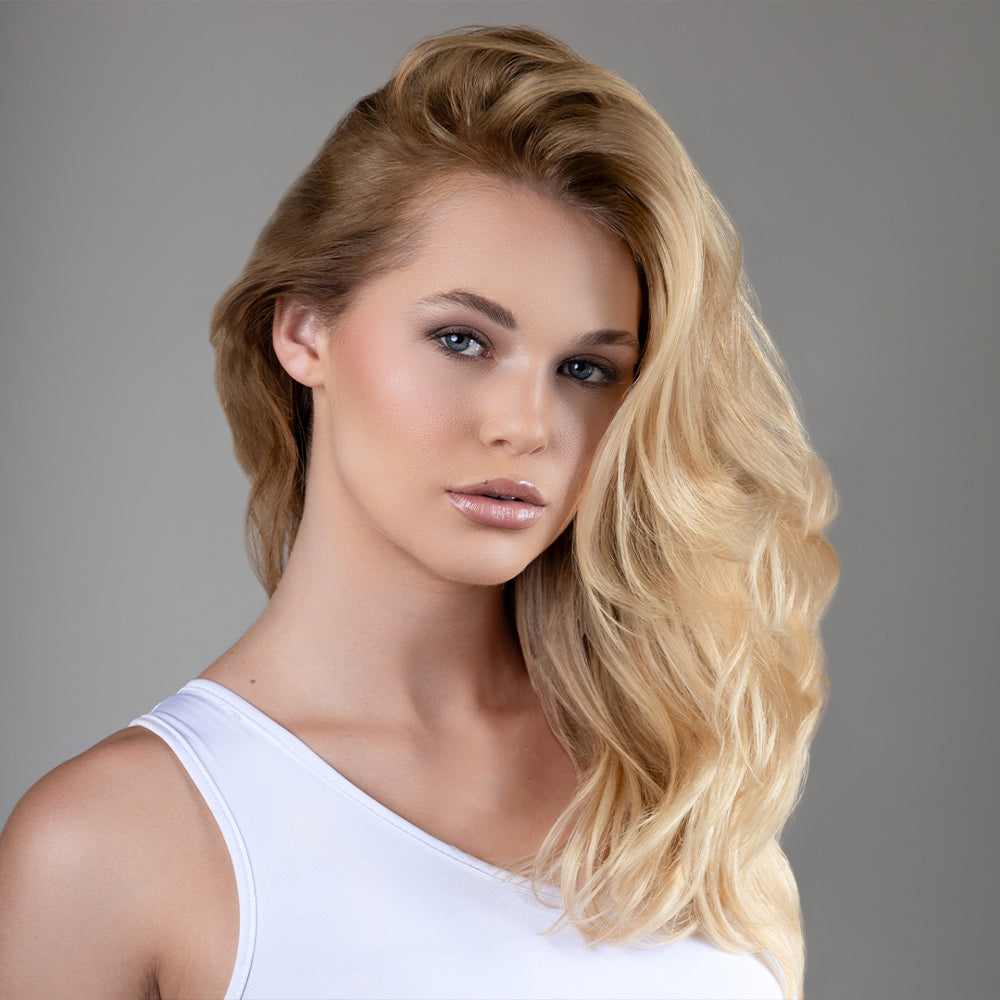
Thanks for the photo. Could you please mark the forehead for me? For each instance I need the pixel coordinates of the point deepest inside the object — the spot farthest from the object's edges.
(522, 248)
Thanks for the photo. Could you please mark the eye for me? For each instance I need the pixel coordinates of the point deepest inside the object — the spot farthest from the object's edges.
(460, 342)
(589, 371)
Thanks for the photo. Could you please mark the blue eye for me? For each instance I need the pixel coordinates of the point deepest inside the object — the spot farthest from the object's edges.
(461, 343)
(587, 371)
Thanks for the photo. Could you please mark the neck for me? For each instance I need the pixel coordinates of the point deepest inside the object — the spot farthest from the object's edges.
(360, 629)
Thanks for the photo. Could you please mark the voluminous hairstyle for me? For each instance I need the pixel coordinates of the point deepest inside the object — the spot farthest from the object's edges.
(672, 633)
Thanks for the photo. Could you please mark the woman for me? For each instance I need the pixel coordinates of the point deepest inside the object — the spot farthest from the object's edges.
(543, 538)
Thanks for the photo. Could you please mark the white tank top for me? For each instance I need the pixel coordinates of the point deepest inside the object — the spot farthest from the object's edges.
(340, 897)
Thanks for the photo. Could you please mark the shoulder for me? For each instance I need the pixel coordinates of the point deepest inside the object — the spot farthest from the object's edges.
(98, 800)
(92, 865)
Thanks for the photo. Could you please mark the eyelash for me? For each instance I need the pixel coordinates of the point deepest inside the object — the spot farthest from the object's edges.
(610, 373)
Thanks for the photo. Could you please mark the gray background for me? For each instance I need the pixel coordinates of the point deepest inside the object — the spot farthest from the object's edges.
(142, 147)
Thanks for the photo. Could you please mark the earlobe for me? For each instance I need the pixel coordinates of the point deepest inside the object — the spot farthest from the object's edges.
(295, 332)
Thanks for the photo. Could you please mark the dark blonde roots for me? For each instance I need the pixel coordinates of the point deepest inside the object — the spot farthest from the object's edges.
(673, 638)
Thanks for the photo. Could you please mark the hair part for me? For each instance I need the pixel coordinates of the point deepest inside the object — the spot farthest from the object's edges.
(672, 633)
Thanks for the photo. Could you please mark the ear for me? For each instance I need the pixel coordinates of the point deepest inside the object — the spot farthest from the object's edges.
(295, 333)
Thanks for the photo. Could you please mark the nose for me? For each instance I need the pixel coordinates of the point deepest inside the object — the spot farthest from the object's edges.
(517, 414)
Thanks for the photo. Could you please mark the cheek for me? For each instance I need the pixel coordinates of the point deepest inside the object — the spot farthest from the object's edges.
(419, 403)
(402, 408)
(585, 430)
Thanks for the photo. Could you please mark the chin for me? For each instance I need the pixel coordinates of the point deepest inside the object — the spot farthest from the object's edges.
(483, 575)
(482, 570)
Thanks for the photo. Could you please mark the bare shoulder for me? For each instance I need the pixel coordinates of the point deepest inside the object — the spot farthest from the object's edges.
(104, 864)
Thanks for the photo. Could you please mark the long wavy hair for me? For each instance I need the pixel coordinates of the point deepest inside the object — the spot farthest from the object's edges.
(672, 632)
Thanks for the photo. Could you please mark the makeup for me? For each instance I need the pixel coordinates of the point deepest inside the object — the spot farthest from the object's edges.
(499, 503)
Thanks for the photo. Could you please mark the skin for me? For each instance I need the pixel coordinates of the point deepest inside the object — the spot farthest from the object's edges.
(385, 648)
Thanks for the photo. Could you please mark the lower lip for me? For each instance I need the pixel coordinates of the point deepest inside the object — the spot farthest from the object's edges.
(495, 513)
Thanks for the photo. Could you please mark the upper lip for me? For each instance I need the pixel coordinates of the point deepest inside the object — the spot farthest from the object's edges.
(519, 489)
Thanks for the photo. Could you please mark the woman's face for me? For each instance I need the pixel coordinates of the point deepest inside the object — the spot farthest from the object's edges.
(459, 399)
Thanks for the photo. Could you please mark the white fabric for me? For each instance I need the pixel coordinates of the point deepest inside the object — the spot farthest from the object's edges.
(340, 897)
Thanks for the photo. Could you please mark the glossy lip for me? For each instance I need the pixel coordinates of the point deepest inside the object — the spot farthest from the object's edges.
(520, 489)
(499, 503)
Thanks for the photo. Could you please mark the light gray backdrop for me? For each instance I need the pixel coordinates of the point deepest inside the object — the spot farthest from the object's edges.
(143, 146)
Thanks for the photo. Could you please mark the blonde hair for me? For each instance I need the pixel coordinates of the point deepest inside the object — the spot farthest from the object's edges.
(671, 634)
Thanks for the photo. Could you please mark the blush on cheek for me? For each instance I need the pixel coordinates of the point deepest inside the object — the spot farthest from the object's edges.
(423, 405)
(367, 380)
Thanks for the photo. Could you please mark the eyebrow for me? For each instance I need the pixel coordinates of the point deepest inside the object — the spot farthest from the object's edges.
(502, 316)
(491, 310)
(611, 337)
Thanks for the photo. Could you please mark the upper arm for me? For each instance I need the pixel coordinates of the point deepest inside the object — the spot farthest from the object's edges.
(77, 873)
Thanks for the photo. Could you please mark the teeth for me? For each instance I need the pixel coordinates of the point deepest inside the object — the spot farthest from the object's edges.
(500, 496)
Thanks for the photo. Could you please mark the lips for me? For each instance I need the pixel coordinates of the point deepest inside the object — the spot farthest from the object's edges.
(499, 503)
